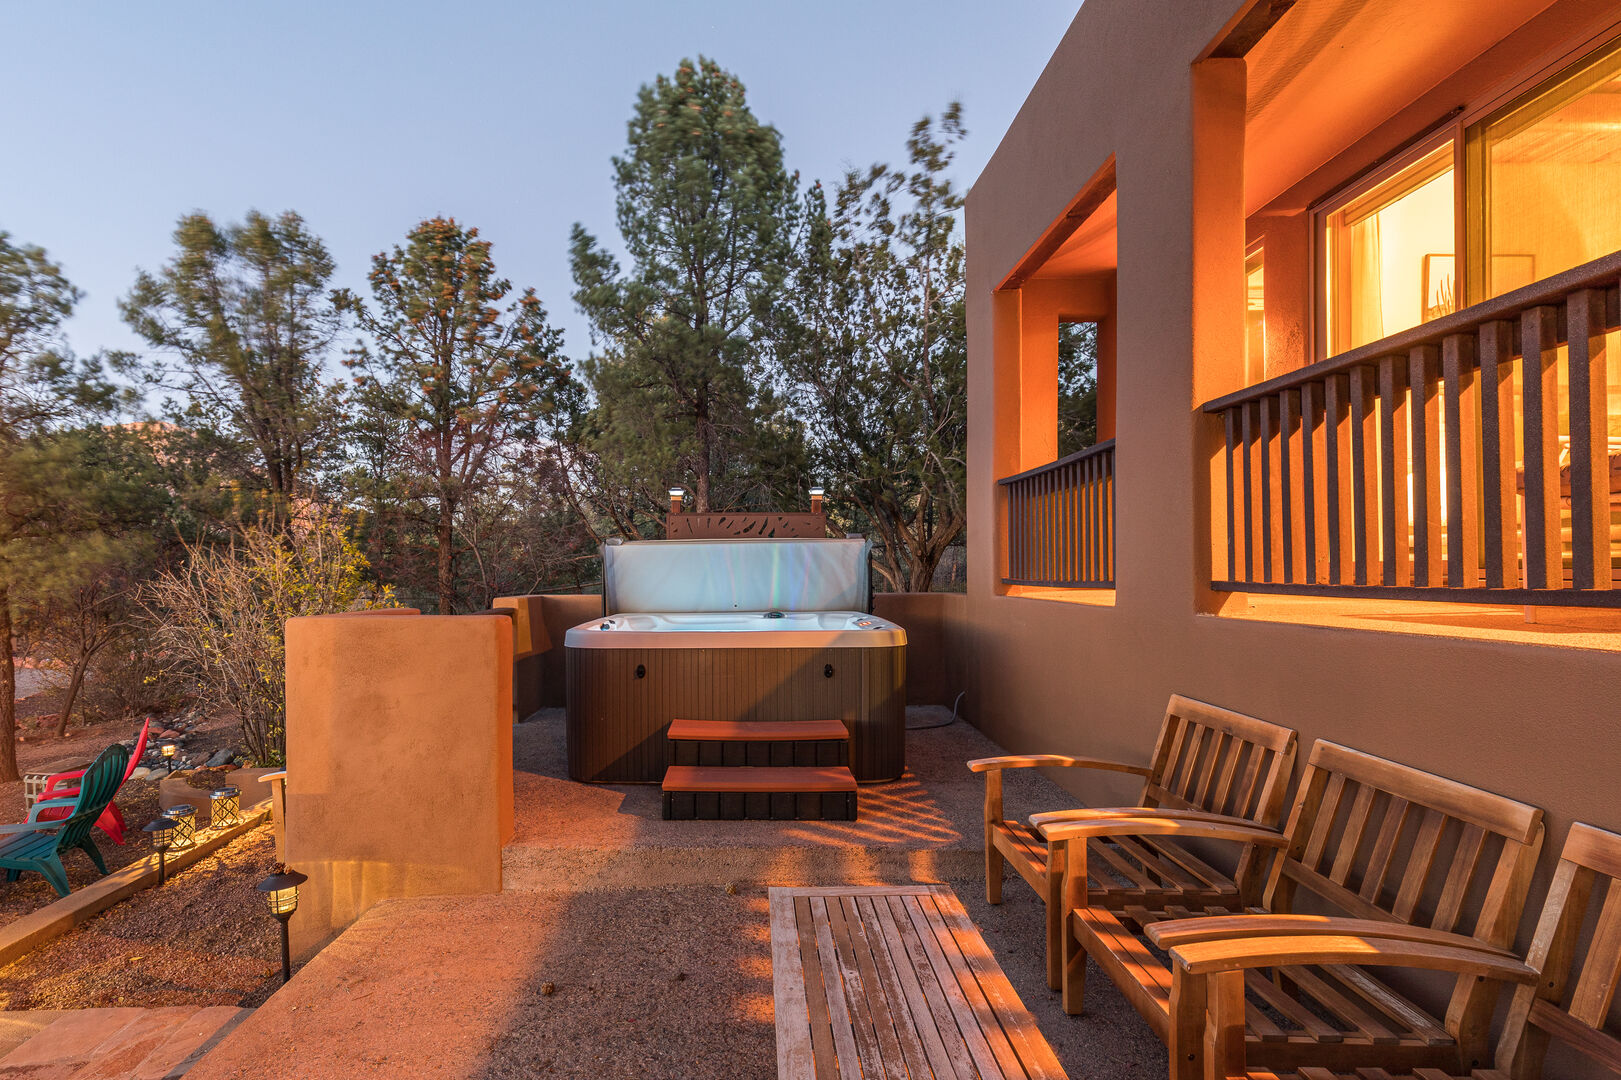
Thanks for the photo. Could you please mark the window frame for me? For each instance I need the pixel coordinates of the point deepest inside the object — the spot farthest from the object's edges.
(1415, 150)
(1515, 90)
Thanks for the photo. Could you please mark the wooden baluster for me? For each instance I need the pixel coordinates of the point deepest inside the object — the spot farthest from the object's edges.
(1083, 536)
(1095, 516)
(1012, 531)
(1073, 565)
(1316, 564)
(1589, 442)
(1229, 423)
(1108, 521)
(1364, 494)
(1288, 482)
(1338, 467)
(1066, 522)
(1393, 515)
(1499, 534)
(1247, 431)
(1263, 409)
(1428, 566)
(1463, 441)
(1539, 345)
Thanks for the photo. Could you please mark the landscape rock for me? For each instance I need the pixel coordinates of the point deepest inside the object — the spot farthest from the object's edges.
(141, 773)
(221, 757)
(157, 774)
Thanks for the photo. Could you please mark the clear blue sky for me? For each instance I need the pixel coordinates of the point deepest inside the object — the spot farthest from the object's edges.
(368, 117)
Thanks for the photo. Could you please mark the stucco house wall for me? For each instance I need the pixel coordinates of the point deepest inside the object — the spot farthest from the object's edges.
(1537, 722)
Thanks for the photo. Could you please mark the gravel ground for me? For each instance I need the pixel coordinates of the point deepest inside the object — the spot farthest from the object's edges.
(203, 939)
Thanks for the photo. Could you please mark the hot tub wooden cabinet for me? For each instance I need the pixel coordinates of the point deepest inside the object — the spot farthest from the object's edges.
(630, 675)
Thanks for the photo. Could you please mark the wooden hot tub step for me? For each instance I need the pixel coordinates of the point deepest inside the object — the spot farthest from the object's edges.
(759, 743)
(759, 792)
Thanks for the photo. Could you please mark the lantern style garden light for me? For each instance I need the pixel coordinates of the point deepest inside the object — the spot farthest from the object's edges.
(167, 750)
(281, 897)
(162, 830)
(224, 808)
(184, 817)
(675, 499)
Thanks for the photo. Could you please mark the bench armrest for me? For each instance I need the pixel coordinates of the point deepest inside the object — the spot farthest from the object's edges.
(1109, 813)
(1155, 824)
(1035, 761)
(1240, 954)
(1176, 933)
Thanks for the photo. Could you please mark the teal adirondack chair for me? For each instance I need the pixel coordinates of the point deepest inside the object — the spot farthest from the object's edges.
(39, 845)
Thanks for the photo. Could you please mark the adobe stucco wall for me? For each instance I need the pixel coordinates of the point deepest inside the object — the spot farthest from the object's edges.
(933, 624)
(1535, 722)
(399, 760)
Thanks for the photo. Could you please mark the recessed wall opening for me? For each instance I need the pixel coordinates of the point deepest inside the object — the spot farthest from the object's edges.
(1424, 425)
(1056, 353)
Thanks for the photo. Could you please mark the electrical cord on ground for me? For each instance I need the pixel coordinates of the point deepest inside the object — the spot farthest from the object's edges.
(941, 723)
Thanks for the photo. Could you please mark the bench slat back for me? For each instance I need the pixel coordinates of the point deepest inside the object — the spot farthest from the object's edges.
(1571, 1001)
(1382, 840)
(1213, 759)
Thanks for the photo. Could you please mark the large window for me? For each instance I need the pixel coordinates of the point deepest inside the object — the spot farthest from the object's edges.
(1541, 182)
(1545, 177)
(1389, 253)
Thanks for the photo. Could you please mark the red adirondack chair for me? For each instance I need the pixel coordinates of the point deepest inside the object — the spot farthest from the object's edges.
(62, 790)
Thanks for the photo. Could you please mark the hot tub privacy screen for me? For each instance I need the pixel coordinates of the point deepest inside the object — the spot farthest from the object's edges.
(734, 630)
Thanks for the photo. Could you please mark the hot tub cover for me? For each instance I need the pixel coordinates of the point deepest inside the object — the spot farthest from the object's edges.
(736, 575)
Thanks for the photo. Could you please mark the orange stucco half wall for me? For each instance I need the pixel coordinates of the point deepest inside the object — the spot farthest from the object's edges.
(399, 761)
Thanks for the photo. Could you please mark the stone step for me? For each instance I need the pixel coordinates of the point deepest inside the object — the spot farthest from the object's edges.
(120, 1044)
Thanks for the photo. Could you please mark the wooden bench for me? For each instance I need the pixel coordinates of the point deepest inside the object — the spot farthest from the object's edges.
(736, 792)
(1433, 860)
(1207, 760)
(1562, 995)
(894, 982)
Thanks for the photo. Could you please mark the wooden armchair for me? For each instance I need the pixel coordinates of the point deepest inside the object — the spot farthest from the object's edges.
(1208, 763)
(1432, 866)
(1560, 996)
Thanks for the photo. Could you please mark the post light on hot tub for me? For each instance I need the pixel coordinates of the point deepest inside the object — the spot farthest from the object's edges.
(676, 495)
(816, 500)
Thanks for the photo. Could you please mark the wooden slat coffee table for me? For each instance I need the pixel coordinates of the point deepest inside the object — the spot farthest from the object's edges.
(894, 982)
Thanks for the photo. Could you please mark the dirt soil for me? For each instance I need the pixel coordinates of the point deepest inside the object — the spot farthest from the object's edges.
(202, 939)
(137, 799)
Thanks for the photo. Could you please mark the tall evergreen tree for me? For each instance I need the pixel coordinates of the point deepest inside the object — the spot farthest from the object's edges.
(42, 389)
(465, 380)
(241, 323)
(705, 210)
(871, 337)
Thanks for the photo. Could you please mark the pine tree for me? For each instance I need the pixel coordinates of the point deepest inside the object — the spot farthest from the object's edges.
(241, 323)
(705, 212)
(466, 380)
(871, 336)
(43, 388)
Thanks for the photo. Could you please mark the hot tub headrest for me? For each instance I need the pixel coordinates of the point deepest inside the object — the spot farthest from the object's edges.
(736, 575)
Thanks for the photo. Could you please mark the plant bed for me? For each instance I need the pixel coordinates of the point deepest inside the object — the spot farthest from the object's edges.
(202, 939)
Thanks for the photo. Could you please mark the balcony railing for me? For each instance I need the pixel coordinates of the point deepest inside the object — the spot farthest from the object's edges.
(1060, 520)
(1431, 465)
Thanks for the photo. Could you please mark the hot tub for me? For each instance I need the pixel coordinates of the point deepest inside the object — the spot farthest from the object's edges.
(631, 672)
